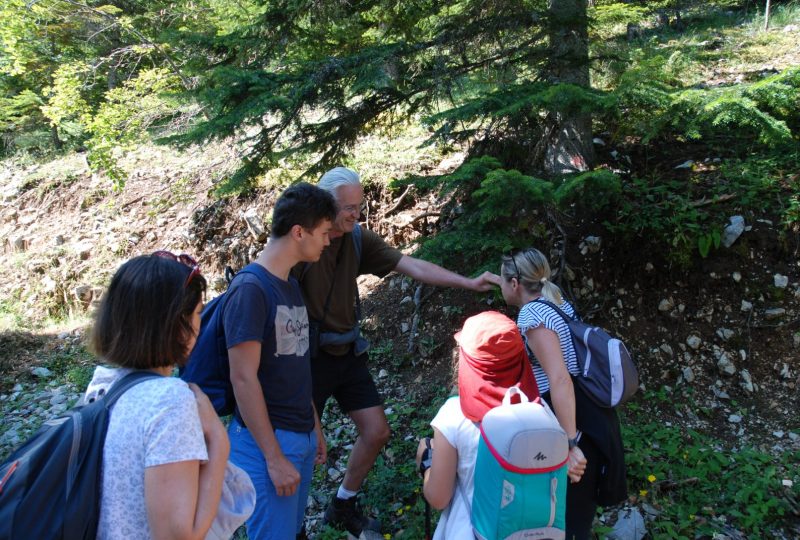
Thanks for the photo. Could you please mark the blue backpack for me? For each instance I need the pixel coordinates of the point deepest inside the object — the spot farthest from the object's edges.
(208, 365)
(50, 487)
(520, 480)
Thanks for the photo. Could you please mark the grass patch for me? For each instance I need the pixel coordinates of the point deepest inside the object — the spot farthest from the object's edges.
(699, 485)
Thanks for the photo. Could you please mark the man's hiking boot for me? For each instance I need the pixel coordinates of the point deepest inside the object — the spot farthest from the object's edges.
(346, 514)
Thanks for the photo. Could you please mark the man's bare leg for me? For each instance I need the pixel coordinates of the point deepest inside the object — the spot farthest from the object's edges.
(373, 434)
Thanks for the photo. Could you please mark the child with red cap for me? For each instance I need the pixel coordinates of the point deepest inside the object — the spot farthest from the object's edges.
(491, 358)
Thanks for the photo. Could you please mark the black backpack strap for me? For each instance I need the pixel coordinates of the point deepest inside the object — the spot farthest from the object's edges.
(125, 383)
(567, 318)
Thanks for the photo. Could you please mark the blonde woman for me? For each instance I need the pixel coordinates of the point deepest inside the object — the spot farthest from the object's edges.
(597, 470)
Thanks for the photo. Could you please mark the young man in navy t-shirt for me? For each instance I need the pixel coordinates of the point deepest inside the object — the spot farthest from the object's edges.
(275, 433)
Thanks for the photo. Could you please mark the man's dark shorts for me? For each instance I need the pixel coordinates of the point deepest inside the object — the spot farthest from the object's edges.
(346, 378)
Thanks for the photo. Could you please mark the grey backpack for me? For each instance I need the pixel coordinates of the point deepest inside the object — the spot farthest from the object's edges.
(607, 372)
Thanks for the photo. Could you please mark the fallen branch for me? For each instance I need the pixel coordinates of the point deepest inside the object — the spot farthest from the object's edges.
(705, 202)
(423, 216)
(415, 320)
(667, 485)
(399, 201)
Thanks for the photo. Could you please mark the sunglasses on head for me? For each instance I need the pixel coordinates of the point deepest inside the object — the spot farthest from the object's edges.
(184, 259)
(511, 255)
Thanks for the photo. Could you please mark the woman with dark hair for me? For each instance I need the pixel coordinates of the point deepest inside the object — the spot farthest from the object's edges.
(594, 433)
(165, 450)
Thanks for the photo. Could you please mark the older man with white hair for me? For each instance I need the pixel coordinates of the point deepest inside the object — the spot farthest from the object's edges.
(339, 365)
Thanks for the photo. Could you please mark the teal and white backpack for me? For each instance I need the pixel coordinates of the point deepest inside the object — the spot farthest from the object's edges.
(520, 472)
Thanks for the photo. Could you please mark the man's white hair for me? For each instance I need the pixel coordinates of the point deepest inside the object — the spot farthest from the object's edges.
(337, 177)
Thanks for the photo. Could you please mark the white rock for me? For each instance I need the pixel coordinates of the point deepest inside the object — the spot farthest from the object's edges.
(629, 526)
(732, 231)
(781, 281)
(778, 434)
(796, 339)
(649, 267)
(694, 342)
(404, 327)
(666, 305)
(254, 222)
(786, 372)
(743, 354)
(688, 374)
(382, 374)
(746, 306)
(686, 164)
(598, 141)
(791, 28)
(747, 381)
(725, 365)
(774, 313)
(734, 419)
(41, 372)
(787, 483)
(794, 436)
(725, 333)
(667, 349)
(737, 277)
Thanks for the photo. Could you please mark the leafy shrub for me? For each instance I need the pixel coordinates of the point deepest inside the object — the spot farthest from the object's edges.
(490, 208)
(126, 115)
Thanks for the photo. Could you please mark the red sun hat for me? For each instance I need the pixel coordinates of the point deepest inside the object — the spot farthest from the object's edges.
(492, 358)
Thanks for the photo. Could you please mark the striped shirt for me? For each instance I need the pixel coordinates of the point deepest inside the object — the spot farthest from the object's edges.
(532, 315)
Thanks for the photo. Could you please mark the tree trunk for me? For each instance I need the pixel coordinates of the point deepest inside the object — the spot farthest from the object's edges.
(766, 16)
(569, 147)
(57, 142)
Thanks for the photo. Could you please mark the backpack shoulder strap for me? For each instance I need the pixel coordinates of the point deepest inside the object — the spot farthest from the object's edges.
(258, 271)
(125, 383)
(567, 318)
(357, 233)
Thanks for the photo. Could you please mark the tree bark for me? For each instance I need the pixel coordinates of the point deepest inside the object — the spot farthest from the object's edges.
(766, 16)
(569, 148)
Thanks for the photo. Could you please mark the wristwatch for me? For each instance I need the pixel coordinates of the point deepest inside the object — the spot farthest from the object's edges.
(427, 456)
(573, 442)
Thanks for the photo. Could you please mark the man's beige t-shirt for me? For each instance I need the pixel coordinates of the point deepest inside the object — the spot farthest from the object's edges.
(377, 257)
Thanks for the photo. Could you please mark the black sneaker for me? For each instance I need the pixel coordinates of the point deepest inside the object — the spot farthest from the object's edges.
(346, 514)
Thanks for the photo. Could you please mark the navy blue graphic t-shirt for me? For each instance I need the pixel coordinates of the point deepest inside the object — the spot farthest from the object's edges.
(279, 322)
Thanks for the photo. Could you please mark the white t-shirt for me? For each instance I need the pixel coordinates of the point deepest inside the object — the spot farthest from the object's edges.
(463, 435)
(153, 423)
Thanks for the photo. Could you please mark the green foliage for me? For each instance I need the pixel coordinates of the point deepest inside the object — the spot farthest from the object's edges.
(490, 206)
(126, 115)
(698, 483)
(19, 115)
(652, 104)
(593, 190)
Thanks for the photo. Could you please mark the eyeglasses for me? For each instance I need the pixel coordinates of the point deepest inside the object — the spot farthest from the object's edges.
(511, 254)
(184, 259)
(354, 208)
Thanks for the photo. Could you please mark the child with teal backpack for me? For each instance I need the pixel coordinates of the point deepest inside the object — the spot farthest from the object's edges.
(496, 468)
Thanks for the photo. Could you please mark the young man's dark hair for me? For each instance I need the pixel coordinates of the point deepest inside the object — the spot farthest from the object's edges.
(142, 323)
(302, 204)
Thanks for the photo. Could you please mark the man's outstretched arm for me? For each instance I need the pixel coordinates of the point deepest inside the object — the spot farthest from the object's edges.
(433, 274)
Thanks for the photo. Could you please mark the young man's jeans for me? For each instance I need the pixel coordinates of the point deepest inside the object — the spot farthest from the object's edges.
(274, 518)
